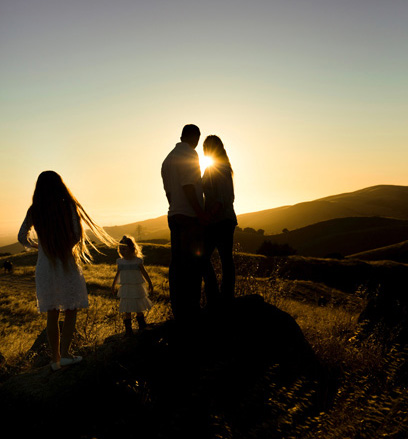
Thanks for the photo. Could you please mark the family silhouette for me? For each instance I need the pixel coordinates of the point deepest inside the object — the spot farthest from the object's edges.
(201, 218)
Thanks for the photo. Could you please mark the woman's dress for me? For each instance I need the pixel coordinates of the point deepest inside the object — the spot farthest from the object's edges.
(57, 286)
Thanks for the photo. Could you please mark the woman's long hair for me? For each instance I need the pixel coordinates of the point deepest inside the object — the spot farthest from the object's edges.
(54, 212)
(214, 147)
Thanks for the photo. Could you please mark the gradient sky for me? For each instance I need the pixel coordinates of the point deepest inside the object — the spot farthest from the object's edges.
(309, 96)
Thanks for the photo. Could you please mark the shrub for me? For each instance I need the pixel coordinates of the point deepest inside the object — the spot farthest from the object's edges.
(269, 248)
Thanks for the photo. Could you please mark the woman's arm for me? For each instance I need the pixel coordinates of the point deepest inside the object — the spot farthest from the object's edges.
(24, 233)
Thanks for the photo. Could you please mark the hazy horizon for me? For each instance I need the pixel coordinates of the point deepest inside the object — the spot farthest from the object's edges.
(309, 98)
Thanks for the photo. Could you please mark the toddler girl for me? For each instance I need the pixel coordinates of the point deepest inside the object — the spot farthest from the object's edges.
(131, 276)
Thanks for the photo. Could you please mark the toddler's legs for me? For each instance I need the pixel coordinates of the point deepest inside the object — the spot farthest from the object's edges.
(128, 324)
(141, 320)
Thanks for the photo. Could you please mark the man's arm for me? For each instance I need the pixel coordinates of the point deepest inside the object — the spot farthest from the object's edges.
(190, 193)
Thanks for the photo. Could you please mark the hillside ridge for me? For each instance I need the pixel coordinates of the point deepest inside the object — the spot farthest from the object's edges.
(389, 201)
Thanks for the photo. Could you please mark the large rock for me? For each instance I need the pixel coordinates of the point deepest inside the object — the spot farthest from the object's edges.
(223, 373)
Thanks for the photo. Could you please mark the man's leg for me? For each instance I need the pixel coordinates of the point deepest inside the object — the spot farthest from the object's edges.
(175, 263)
(185, 267)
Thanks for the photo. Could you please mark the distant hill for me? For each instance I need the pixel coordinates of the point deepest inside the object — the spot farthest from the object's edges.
(386, 201)
(395, 252)
(380, 201)
(345, 236)
(12, 248)
(7, 238)
(156, 228)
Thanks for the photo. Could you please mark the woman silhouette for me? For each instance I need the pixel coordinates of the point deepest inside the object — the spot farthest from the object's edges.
(219, 197)
(57, 218)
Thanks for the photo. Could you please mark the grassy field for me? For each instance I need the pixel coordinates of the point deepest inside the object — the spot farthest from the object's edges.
(369, 401)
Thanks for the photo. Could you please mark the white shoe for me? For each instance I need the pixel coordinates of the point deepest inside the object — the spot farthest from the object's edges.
(69, 361)
(56, 366)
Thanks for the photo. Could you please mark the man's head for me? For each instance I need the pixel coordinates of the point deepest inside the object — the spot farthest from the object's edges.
(191, 135)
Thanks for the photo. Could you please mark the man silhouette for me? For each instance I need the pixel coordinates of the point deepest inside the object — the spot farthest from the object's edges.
(181, 176)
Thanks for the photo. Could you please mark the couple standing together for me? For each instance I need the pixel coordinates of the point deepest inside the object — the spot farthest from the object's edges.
(201, 218)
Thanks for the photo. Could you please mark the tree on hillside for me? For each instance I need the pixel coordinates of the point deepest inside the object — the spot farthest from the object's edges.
(249, 230)
(269, 248)
(139, 232)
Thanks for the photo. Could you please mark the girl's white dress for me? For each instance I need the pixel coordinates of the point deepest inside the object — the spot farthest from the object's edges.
(57, 287)
(132, 290)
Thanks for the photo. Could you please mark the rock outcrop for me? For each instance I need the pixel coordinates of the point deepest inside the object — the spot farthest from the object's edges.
(224, 373)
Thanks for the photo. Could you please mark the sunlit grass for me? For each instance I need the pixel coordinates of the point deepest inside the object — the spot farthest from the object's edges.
(368, 401)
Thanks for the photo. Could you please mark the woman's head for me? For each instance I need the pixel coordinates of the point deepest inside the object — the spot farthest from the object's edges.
(128, 247)
(56, 215)
(214, 148)
(49, 188)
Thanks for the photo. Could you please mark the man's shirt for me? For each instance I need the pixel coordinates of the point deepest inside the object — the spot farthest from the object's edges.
(181, 168)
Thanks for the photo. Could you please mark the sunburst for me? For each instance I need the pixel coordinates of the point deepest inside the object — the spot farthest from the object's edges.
(205, 162)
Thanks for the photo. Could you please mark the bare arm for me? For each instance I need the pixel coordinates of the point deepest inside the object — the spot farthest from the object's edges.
(24, 233)
(115, 281)
(145, 274)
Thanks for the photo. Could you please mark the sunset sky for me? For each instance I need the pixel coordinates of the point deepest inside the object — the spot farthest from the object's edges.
(309, 96)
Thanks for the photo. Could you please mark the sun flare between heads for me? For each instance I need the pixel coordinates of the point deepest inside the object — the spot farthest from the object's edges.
(205, 162)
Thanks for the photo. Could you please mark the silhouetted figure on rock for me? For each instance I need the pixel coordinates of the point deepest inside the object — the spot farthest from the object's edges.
(181, 176)
(219, 234)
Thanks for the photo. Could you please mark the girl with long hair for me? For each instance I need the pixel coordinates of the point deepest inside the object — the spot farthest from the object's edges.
(57, 217)
(219, 198)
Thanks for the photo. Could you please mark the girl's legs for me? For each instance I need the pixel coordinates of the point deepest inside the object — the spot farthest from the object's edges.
(53, 334)
(128, 323)
(68, 332)
(141, 320)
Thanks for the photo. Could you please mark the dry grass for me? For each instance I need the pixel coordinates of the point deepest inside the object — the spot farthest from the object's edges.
(369, 402)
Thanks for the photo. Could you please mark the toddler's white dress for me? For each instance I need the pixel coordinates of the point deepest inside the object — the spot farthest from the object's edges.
(132, 290)
(57, 287)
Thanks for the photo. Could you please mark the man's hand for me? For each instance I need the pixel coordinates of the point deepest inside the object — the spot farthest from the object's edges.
(204, 218)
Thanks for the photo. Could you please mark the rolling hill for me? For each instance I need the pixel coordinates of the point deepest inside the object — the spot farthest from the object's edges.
(395, 252)
(345, 236)
(388, 201)
(381, 201)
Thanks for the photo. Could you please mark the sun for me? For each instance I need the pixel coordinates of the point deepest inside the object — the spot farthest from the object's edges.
(205, 162)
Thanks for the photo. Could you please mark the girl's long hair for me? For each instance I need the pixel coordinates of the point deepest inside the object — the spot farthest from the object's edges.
(214, 147)
(53, 212)
(130, 242)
